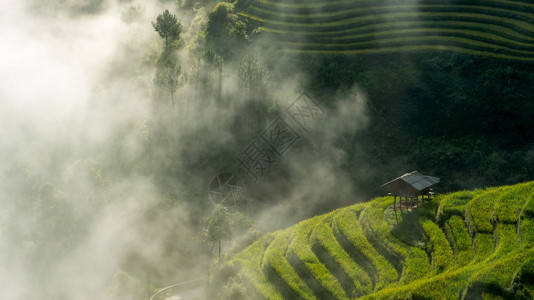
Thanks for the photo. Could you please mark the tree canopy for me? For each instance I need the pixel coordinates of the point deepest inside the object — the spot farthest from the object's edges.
(168, 27)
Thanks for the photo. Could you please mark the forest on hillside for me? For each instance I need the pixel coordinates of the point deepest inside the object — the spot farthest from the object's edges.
(118, 116)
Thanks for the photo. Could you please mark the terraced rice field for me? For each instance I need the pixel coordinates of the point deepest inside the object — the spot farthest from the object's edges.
(473, 244)
(496, 28)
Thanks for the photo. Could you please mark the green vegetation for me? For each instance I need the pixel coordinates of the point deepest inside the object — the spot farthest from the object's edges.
(278, 270)
(479, 211)
(509, 206)
(250, 259)
(349, 233)
(220, 225)
(415, 260)
(168, 27)
(348, 271)
(484, 246)
(440, 86)
(454, 204)
(353, 252)
(308, 266)
(488, 28)
(460, 239)
(442, 256)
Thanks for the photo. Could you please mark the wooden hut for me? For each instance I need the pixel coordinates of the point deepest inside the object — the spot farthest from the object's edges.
(410, 186)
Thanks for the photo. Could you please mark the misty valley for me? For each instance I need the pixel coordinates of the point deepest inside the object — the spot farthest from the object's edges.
(267, 149)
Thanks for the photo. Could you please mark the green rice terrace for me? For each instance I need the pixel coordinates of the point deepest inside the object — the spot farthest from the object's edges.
(464, 245)
(495, 28)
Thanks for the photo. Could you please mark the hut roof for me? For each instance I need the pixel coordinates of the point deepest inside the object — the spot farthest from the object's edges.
(417, 180)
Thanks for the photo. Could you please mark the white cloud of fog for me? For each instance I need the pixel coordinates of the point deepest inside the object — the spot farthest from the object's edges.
(59, 107)
(52, 72)
(49, 68)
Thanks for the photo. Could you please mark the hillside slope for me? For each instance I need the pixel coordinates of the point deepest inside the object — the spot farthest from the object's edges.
(469, 244)
(495, 28)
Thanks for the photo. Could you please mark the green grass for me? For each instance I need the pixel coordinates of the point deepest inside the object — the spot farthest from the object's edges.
(479, 211)
(506, 239)
(495, 28)
(325, 242)
(527, 233)
(278, 269)
(454, 204)
(361, 251)
(528, 209)
(408, 15)
(409, 48)
(463, 245)
(346, 227)
(250, 260)
(323, 5)
(442, 255)
(358, 32)
(308, 265)
(350, 10)
(415, 260)
(526, 276)
(447, 285)
(484, 246)
(499, 273)
(510, 204)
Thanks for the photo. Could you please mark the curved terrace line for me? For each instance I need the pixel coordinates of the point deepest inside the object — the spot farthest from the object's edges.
(416, 40)
(386, 9)
(323, 4)
(408, 16)
(499, 30)
(491, 42)
(407, 48)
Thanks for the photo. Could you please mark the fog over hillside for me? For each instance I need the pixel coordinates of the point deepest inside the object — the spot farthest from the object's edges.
(116, 130)
(60, 114)
(101, 191)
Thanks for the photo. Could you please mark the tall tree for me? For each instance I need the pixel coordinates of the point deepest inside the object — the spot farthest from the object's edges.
(221, 225)
(168, 27)
(252, 73)
(225, 32)
(218, 227)
(133, 14)
(167, 75)
(253, 76)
